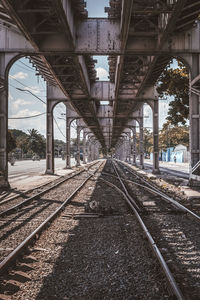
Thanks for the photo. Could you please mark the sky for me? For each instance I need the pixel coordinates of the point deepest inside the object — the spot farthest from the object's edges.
(30, 100)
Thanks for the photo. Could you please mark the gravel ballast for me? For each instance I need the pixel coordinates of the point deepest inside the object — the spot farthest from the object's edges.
(93, 254)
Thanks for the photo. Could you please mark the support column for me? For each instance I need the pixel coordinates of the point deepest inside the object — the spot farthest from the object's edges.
(90, 151)
(78, 146)
(84, 146)
(141, 144)
(194, 114)
(156, 137)
(194, 103)
(194, 106)
(129, 147)
(49, 140)
(68, 148)
(93, 150)
(5, 59)
(96, 150)
(134, 144)
(4, 136)
(124, 150)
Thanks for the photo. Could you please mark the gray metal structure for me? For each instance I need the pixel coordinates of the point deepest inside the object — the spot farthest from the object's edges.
(139, 37)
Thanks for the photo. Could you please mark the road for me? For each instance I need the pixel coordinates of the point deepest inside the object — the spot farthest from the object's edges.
(29, 167)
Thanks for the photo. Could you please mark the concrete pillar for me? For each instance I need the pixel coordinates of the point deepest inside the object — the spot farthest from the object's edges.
(141, 146)
(129, 147)
(156, 137)
(49, 139)
(4, 135)
(134, 144)
(84, 146)
(96, 150)
(89, 151)
(124, 150)
(5, 60)
(195, 114)
(119, 150)
(78, 162)
(68, 147)
(93, 150)
(194, 106)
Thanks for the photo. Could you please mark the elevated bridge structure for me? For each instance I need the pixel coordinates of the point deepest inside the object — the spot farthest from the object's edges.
(139, 37)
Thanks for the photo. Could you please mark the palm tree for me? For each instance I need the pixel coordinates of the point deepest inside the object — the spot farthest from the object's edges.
(36, 142)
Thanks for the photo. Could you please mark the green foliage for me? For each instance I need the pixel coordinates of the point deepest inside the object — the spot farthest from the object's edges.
(11, 141)
(148, 141)
(171, 136)
(22, 143)
(16, 133)
(59, 143)
(31, 143)
(36, 142)
(175, 82)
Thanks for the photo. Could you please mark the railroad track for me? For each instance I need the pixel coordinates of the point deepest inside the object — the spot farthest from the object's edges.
(110, 229)
(166, 224)
(21, 223)
(16, 201)
(131, 177)
(93, 250)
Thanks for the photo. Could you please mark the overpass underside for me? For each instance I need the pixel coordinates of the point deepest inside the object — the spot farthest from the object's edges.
(139, 38)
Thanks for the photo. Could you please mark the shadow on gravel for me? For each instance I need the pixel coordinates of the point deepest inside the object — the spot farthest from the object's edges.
(102, 257)
(26, 219)
(6, 193)
(175, 237)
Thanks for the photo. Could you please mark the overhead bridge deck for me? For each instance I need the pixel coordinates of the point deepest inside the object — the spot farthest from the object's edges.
(139, 38)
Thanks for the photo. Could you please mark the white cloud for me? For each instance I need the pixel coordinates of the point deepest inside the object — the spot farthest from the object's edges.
(102, 74)
(19, 75)
(20, 102)
(38, 123)
(25, 113)
(10, 97)
(33, 89)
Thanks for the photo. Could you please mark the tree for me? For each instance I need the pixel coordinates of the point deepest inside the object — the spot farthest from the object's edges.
(22, 143)
(175, 82)
(11, 141)
(171, 136)
(17, 132)
(59, 147)
(148, 141)
(36, 142)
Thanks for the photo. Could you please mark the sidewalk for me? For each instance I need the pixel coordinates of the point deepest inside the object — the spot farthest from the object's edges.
(32, 181)
(191, 193)
(28, 182)
(181, 167)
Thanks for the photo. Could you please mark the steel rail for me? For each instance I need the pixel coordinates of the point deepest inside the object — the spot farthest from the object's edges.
(16, 252)
(37, 187)
(151, 190)
(124, 188)
(17, 206)
(26, 192)
(170, 278)
(165, 197)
